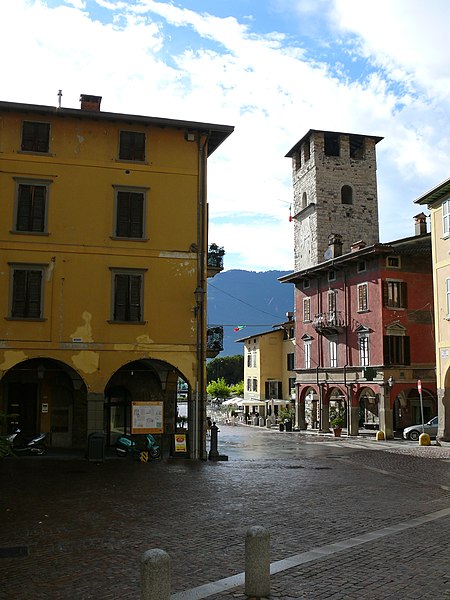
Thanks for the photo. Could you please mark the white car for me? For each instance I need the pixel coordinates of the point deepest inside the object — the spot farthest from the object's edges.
(413, 431)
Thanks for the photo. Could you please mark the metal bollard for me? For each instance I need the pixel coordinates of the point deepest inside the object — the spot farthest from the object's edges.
(155, 575)
(257, 562)
(213, 452)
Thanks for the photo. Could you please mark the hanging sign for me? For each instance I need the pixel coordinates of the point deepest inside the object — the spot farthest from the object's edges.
(146, 417)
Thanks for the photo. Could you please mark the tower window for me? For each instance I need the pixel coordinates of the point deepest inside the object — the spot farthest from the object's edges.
(304, 200)
(331, 144)
(346, 194)
(307, 150)
(356, 146)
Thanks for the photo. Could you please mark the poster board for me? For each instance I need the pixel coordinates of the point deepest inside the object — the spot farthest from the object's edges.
(147, 417)
(180, 442)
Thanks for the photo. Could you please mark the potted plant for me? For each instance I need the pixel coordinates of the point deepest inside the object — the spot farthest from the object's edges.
(287, 417)
(337, 422)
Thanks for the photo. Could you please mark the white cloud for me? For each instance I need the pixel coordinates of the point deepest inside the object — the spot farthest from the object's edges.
(157, 58)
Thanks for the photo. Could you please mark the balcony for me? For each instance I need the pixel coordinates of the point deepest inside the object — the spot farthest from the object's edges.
(329, 323)
(214, 342)
(215, 260)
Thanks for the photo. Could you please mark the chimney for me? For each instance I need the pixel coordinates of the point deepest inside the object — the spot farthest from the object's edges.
(334, 246)
(420, 224)
(91, 103)
(357, 245)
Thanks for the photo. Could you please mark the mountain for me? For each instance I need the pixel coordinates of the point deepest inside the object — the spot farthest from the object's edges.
(254, 300)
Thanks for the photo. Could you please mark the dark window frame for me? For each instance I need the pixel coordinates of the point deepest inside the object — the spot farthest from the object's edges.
(127, 304)
(26, 291)
(35, 137)
(130, 209)
(31, 205)
(395, 294)
(132, 145)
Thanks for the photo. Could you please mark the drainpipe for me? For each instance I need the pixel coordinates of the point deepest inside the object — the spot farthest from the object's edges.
(200, 412)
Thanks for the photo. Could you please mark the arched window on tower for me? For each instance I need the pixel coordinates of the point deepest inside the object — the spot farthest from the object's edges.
(346, 194)
(304, 200)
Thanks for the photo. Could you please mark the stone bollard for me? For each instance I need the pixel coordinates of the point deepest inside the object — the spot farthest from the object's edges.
(155, 575)
(257, 562)
(424, 439)
(379, 436)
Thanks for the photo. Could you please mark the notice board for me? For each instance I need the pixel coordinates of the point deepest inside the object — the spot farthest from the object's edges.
(147, 417)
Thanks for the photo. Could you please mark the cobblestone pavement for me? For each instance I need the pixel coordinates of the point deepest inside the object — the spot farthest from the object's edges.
(83, 526)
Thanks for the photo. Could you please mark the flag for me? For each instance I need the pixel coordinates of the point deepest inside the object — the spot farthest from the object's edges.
(290, 214)
(239, 327)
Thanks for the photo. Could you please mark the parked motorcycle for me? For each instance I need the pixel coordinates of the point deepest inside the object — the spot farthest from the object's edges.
(24, 444)
(126, 445)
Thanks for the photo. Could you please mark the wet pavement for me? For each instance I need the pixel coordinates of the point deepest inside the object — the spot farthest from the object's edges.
(378, 512)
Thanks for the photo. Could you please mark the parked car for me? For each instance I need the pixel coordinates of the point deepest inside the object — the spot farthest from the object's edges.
(413, 431)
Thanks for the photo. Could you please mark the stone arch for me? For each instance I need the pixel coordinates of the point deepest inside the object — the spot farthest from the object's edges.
(368, 402)
(46, 395)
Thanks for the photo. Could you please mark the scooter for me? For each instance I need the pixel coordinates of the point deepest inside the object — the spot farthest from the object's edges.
(21, 444)
(126, 445)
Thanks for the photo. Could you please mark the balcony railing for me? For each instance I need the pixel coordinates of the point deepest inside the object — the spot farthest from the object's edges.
(214, 341)
(215, 259)
(329, 322)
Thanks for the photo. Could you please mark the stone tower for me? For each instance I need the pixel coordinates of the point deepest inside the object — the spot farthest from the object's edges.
(335, 193)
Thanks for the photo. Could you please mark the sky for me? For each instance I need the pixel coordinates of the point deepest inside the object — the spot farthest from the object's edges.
(271, 68)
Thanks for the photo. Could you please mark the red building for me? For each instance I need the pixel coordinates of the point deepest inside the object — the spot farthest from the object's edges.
(364, 335)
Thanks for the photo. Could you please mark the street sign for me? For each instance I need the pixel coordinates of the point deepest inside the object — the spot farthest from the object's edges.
(419, 385)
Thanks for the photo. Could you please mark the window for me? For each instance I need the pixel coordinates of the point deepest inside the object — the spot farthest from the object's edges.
(395, 294)
(331, 275)
(363, 300)
(249, 359)
(35, 136)
(332, 303)
(306, 310)
(254, 385)
(446, 217)
(361, 266)
(291, 361)
(26, 292)
(31, 206)
(393, 262)
(307, 353)
(306, 284)
(132, 145)
(297, 160)
(127, 295)
(332, 347)
(396, 346)
(356, 146)
(130, 210)
(254, 358)
(307, 150)
(292, 386)
(363, 345)
(249, 385)
(331, 144)
(304, 200)
(447, 290)
(346, 195)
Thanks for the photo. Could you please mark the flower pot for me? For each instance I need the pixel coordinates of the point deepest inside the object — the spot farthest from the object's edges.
(281, 425)
(337, 431)
(288, 425)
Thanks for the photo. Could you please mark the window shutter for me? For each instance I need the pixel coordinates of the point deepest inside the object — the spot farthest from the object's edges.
(404, 292)
(38, 214)
(386, 352)
(34, 294)
(24, 205)
(267, 390)
(136, 215)
(135, 298)
(406, 350)
(123, 222)
(280, 389)
(120, 297)
(19, 293)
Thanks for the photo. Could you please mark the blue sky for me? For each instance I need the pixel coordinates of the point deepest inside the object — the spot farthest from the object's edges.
(272, 68)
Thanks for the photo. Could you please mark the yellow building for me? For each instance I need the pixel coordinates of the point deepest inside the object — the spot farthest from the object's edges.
(269, 377)
(104, 260)
(438, 201)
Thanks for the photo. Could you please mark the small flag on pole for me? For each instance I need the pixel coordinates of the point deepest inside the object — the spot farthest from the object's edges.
(239, 327)
(290, 214)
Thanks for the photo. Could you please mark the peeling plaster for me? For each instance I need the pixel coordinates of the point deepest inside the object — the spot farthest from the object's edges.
(86, 361)
(143, 340)
(12, 358)
(84, 332)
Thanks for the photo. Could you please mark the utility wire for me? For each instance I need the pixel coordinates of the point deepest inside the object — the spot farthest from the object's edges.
(243, 302)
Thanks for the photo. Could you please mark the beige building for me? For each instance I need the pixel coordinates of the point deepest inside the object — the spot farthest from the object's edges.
(438, 201)
(269, 362)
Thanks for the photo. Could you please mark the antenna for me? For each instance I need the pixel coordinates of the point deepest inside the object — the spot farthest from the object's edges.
(59, 98)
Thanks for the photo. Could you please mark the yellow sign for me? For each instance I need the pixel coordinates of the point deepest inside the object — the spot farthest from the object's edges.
(180, 442)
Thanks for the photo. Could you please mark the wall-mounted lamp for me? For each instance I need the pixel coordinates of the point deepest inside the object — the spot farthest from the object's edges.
(390, 382)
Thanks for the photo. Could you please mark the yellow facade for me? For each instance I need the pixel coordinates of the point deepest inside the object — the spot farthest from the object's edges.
(77, 358)
(438, 201)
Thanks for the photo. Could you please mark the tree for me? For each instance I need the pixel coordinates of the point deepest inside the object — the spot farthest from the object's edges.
(230, 368)
(237, 389)
(219, 389)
